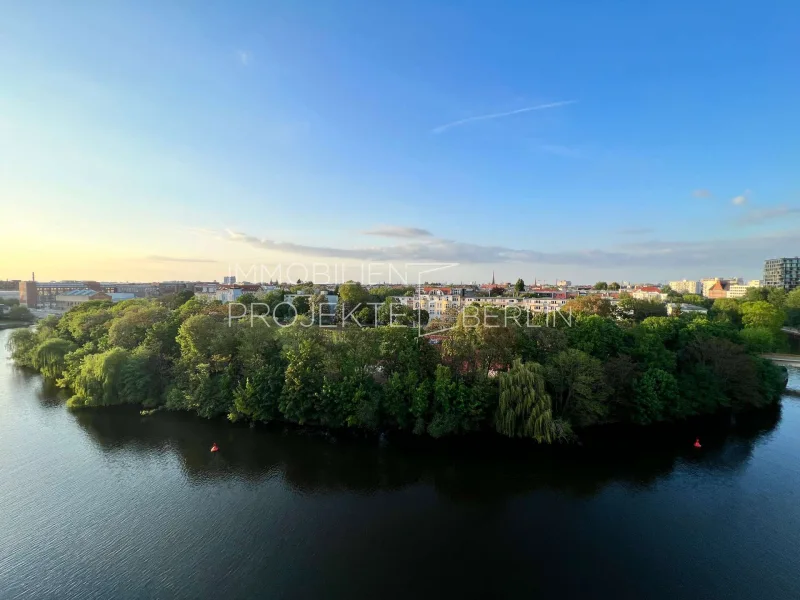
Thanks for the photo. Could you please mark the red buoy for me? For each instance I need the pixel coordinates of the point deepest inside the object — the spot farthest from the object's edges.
(697, 443)
(215, 448)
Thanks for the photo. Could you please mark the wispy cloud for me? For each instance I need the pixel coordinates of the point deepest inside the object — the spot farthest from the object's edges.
(244, 57)
(500, 115)
(713, 254)
(635, 231)
(158, 258)
(754, 217)
(558, 150)
(702, 193)
(398, 232)
(741, 199)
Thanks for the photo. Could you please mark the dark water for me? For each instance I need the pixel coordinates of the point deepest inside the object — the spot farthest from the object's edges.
(108, 504)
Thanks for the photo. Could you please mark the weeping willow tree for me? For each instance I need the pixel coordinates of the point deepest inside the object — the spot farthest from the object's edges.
(525, 409)
(49, 357)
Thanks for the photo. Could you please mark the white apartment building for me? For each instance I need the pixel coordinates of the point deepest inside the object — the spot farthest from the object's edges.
(738, 290)
(448, 306)
(686, 287)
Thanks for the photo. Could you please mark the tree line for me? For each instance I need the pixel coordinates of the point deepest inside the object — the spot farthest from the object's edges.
(542, 383)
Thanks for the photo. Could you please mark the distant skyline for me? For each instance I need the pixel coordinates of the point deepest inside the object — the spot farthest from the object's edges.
(146, 141)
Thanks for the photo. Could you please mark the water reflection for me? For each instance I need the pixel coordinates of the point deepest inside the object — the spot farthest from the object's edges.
(476, 470)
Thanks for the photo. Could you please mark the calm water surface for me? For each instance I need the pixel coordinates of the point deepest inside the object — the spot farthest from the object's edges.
(108, 504)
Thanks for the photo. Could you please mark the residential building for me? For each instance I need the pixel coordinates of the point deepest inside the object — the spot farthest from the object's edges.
(206, 291)
(738, 290)
(229, 280)
(648, 292)
(673, 308)
(782, 272)
(564, 283)
(686, 287)
(447, 307)
(231, 293)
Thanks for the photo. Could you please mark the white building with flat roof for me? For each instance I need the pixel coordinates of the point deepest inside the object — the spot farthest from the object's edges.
(738, 290)
(686, 287)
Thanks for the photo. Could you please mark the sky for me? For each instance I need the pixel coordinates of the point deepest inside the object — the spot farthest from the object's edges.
(444, 141)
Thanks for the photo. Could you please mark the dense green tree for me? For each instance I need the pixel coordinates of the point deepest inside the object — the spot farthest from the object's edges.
(639, 309)
(614, 286)
(759, 294)
(654, 392)
(589, 305)
(760, 340)
(601, 285)
(792, 307)
(762, 314)
(578, 387)
(596, 335)
(18, 313)
(727, 309)
(519, 286)
(303, 382)
(301, 304)
(352, 296)
(777, 297)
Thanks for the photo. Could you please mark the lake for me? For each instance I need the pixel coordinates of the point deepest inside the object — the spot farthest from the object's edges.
(104, 503)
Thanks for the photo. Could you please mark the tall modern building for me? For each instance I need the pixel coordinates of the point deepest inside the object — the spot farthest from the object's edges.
(229, 280)
(782, 272)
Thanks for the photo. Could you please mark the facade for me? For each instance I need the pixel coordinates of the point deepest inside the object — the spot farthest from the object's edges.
(120, 296)
(564, 283)
(782, 272)
(206, 291)
(447, 307)
(738, 290)
(649, 292)
(28, 294)
(685, 309)
(229, 280)
(232, 293)
(73, 298)
(686, 287)
(718, 290)
(139, 290)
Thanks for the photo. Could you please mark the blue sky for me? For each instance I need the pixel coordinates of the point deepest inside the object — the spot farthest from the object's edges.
(151, 140)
